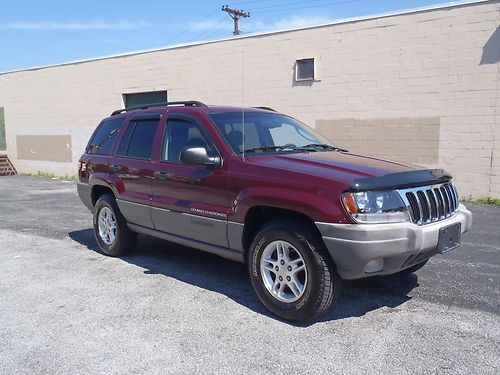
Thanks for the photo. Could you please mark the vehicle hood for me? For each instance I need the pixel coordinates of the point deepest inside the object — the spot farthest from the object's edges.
(341, 167)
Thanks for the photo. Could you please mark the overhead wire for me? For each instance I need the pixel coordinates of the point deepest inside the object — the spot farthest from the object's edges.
(192, 26)
(215, 28)
(271, 9)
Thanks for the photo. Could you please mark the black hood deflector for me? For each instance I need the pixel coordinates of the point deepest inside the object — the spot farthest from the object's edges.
(401, 180)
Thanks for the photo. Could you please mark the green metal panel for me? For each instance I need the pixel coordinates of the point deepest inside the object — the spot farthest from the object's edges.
(143, 98)
(3, 143)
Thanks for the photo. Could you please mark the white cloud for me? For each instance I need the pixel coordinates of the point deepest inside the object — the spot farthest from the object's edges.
(74, 25)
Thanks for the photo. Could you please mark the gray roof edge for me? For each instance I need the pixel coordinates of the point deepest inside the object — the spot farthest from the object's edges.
(402, 12)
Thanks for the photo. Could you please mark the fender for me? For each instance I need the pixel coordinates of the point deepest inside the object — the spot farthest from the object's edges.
(102, 179)
(315, 205)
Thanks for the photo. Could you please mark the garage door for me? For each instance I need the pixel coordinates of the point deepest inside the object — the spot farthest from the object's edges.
(143, 98)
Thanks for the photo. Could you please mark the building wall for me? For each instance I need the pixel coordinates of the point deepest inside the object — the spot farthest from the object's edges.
(421, 87)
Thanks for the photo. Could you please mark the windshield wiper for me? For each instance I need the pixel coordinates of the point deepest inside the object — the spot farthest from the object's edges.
(323, 146)
(310, 147)
(268, 148)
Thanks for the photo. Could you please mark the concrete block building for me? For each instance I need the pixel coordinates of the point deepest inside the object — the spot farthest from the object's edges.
(419, 86)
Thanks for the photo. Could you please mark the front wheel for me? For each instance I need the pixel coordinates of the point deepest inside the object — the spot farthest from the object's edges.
(110, 228)
(291, 271)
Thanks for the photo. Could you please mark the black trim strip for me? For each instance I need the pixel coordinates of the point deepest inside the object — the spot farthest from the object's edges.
(401, 180)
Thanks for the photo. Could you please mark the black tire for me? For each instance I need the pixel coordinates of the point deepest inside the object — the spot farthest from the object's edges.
(125, 239)
(412, 269)
(323, 282)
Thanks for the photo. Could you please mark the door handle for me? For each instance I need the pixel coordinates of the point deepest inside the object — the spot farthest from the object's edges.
(162, 175)
(115, 168)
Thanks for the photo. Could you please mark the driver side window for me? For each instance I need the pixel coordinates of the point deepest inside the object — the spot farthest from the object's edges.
(180, 134)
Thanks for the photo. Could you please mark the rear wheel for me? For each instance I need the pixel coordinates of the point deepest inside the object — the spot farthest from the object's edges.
(412, 269)
(291, 271)
(110, 228)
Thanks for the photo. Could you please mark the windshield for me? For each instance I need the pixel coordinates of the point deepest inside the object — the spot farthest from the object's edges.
(266, 132)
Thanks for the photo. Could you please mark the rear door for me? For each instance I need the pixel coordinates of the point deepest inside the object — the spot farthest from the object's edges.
(189, 201)
(132, 168)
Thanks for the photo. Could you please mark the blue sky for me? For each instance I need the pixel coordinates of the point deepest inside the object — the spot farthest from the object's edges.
(35, 33)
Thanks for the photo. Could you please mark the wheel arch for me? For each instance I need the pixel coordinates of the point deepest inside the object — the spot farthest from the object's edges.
(98, 190)
(258, 216)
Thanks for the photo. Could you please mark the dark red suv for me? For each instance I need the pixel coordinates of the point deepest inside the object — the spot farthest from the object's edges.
(257, 186)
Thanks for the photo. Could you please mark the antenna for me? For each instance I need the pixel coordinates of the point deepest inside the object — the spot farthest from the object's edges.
(243, 100)
(235, 14)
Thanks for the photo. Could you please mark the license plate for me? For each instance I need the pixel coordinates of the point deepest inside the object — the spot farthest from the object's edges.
(449, 238)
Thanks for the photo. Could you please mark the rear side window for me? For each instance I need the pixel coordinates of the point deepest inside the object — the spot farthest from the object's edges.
(137, 142)
(104, 137)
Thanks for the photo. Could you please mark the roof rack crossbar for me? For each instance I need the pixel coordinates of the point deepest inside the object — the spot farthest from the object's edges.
(266, 108)
(190, 103)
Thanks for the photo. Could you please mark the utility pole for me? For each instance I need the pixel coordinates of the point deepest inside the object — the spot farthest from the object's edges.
(235, 14)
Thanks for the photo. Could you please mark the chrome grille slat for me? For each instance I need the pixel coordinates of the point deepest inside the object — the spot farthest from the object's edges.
(431, 198)
(428, 204)
(443, 205)
(425, 205)
(446, 201)
(452, 200)
(456, 195)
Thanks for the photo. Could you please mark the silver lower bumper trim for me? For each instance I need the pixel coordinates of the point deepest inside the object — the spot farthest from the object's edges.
(352, 246)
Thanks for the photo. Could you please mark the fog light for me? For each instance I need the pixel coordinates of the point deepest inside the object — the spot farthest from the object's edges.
(374, 265)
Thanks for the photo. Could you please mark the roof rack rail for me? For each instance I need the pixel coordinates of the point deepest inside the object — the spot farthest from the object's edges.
(190, 103)
(266, 108)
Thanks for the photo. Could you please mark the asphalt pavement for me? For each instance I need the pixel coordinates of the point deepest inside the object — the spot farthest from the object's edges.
(67, 309)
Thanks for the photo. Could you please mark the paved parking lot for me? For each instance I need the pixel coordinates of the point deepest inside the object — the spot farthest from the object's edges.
(65, 308)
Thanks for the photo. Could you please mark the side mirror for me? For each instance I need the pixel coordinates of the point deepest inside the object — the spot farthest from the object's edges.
(199, 156)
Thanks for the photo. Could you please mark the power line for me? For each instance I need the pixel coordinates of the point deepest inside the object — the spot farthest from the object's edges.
(288, 4)
(306, 7)
(215, 25)
(191, 27)
(250, 2)
(227, 23)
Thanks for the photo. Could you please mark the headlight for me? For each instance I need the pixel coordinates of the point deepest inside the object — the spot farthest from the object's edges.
(375, 207)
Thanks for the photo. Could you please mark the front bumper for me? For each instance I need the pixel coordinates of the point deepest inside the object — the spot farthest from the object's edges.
(393, 246)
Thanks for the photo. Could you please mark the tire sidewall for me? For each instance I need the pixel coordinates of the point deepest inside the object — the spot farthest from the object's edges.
(305, 306)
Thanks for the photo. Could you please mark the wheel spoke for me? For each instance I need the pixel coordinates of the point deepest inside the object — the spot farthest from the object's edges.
(295, 286)
(286, 253)
(281, 288)
(279, 249)
(269, 264)
(276, 285)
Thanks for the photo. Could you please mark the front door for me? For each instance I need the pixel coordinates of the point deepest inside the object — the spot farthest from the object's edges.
(189, 201)
(132, 168)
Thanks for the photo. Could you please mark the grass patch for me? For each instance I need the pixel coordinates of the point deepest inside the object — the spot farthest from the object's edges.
(51, 176)
(485, 200)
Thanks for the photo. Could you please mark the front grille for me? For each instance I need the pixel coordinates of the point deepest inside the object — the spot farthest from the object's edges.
(428, 204)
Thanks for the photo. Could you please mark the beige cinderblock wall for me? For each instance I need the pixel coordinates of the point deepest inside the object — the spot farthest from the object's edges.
(434, 73)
